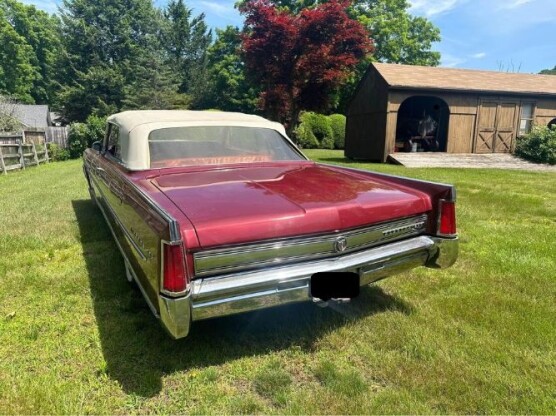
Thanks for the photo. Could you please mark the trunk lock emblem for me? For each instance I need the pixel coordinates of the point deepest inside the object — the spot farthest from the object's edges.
(340, 244)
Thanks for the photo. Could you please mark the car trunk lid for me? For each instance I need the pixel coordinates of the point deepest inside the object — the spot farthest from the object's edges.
(231, 205)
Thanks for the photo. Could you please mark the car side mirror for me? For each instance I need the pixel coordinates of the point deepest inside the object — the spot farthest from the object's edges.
(97, 146)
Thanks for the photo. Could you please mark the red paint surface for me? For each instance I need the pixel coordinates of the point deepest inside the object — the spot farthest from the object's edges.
(245, 203)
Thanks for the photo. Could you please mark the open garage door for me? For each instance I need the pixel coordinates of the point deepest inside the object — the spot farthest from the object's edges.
(422, 124)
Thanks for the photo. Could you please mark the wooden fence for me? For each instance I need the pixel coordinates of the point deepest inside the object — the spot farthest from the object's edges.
(22, 155)
(11, 138)
(50, 134)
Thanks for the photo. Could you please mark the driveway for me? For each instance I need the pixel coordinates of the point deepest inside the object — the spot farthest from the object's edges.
(466, 160)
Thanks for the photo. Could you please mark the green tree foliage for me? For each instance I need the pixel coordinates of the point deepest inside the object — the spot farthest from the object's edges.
(549, 71)
(229, 89)
(99, 90)
(538, 146)
(155, 87)
(41, 33)
(186, 39)
(17, 73)
(105, 42)
(398, 36)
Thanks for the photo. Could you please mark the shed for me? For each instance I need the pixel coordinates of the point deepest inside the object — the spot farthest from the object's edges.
(415, 108)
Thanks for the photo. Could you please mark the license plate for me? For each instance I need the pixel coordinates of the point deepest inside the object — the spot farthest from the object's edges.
(334, 285)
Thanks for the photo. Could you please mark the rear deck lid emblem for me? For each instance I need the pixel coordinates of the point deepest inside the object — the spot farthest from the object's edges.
(340, 244)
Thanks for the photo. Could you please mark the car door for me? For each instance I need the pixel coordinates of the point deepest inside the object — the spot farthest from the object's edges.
(126, 207)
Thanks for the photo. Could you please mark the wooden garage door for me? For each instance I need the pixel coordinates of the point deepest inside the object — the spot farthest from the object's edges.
(496, 128)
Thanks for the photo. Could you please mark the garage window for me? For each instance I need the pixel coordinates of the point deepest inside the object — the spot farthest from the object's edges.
(526, 120)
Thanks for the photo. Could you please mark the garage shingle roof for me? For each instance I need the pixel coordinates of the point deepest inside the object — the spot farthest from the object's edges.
(32, 115)
(422, 77)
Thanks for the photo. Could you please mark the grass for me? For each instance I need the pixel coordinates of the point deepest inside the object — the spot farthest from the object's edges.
(479, 337)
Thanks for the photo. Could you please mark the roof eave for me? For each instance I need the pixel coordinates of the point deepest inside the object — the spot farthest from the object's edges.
(469, 91)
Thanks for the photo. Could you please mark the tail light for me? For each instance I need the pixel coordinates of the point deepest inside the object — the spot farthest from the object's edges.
(174, 276)
(447, 218)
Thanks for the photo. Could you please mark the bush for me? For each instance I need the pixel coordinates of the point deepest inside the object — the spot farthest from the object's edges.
(82, 135)
(338, 124)
(77, 139)
(538, 146)
(57, 153)
(315, 131)
(305, 137)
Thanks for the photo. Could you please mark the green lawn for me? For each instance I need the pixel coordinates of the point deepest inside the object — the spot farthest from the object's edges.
(477, 338)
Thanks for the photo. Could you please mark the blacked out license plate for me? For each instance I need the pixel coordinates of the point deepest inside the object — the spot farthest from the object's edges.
(334, 285)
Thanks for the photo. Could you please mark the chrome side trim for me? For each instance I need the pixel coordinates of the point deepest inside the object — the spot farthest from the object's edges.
(151, 306)
(242, 292)
(127, 234)
(244, 257)
(173, 225)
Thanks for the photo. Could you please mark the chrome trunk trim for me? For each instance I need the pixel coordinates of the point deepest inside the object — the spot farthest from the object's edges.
(253, 256)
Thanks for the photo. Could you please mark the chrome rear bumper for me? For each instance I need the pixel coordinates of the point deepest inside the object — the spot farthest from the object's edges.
(247, 291)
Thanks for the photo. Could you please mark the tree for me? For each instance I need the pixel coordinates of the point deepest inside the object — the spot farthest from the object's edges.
(105, 41)
(8, 114)
(549, 71)
(155, 87)
(398, 36)
(300, 60)
(229, 88)
(17, 73)
(99, 91)
(186, 39)
(41, 33)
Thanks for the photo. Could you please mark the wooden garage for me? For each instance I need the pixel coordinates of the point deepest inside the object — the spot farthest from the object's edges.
(403, 108)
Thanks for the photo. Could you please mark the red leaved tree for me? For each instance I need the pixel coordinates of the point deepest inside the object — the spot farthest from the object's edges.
(300, 60)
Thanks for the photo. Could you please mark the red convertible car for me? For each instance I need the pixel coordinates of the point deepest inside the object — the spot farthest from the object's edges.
(218, 213)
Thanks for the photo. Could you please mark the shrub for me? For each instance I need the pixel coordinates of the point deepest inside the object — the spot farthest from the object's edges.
(315, 131)
(77, 139)
(82, 135)
(305, 137)
(538, 146)
(97, 127)
(57, 153)
(338, 124)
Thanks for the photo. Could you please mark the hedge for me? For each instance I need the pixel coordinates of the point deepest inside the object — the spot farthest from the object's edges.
(538, 146)
(320, 131)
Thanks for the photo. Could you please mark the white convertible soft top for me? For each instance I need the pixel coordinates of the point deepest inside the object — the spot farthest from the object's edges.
(135, 127)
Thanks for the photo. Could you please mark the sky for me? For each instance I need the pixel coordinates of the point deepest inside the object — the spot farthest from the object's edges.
(506, 35)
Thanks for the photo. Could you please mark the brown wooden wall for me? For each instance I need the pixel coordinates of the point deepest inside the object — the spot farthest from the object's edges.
(373, 114)
(366, 119)
(545, 111)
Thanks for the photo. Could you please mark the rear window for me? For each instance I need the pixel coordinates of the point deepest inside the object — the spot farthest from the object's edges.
(209, 145)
